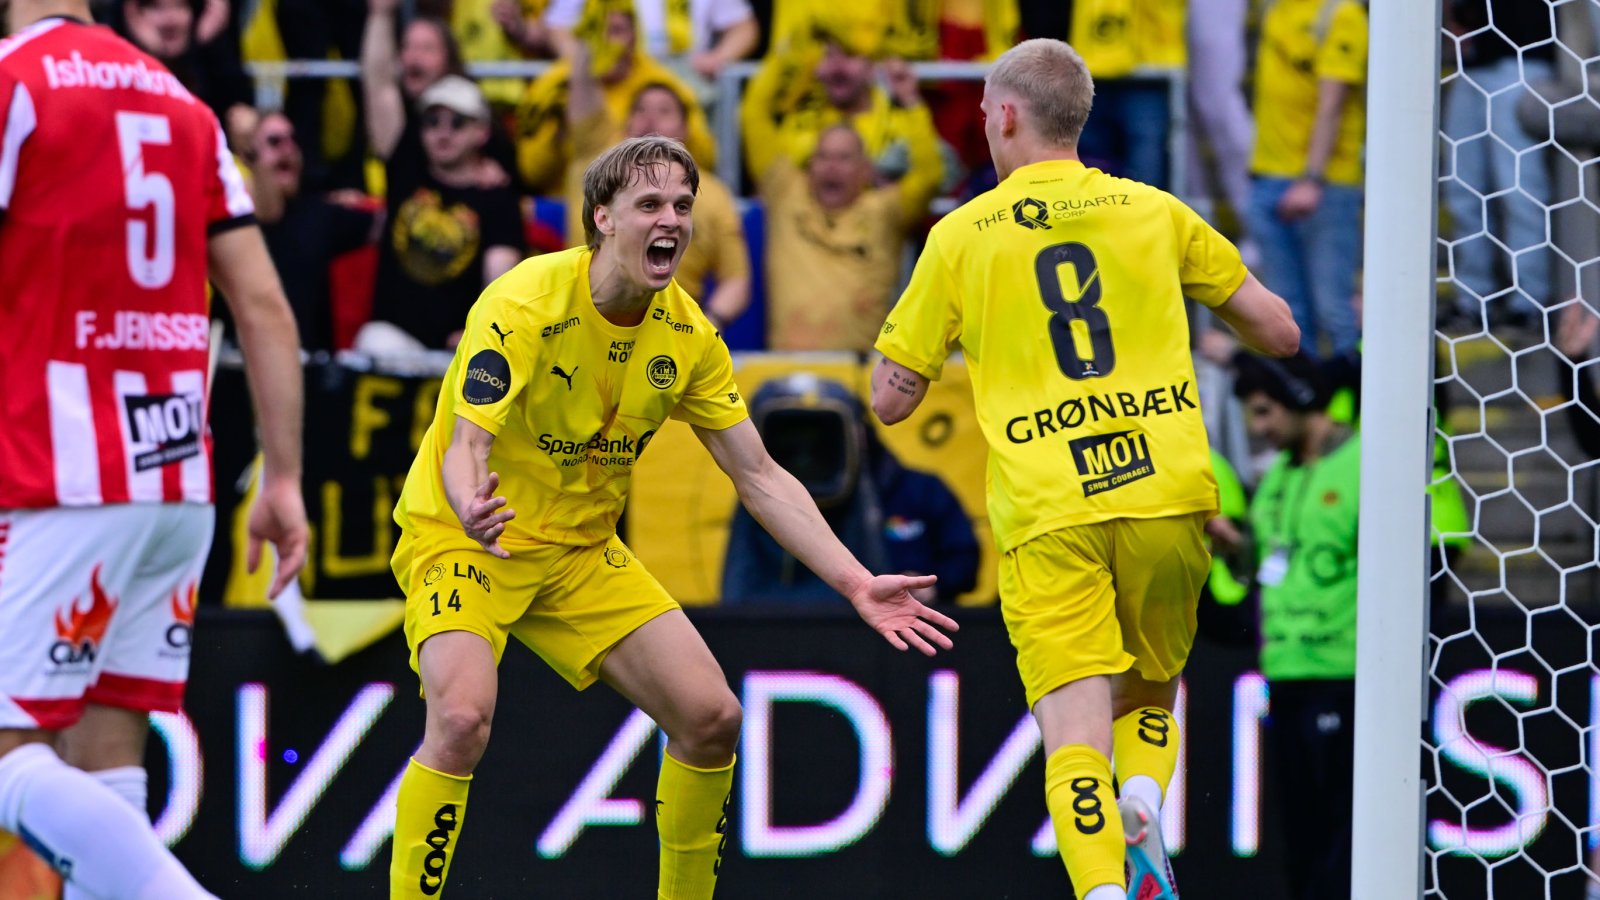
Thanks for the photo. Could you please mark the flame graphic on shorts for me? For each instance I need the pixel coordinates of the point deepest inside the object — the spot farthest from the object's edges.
(88, 626)
(184, 612)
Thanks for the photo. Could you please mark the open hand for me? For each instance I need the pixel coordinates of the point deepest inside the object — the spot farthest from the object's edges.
(485, 520)
(885, 602)
(279, 517)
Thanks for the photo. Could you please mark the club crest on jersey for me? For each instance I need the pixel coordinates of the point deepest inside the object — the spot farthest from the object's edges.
(81, 632)
(488, 378)
(662, 372)
(1031, 213)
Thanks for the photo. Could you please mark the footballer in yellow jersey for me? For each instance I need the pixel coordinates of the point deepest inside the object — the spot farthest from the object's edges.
(567, 367)
(573, 398)
(1065, 289)
(1064, 286)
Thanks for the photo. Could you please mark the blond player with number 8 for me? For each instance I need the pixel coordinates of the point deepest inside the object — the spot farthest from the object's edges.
(1064, 287)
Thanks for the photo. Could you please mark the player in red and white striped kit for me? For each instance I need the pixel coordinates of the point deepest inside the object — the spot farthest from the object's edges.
(117, 197)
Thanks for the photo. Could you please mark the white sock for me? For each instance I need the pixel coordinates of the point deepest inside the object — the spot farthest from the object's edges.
(87, 831)
(131, 783)
(1107, 892)
(1145, 788)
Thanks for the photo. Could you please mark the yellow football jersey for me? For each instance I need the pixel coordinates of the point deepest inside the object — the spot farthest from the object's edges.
(1303, 42)
(1064, 286)
(571, 398)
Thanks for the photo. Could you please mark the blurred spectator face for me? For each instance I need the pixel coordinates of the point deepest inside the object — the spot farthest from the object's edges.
(450, 138)
(657, 110)
(1272, 422)
(161, 28)
(839, 170)
(424, 58)
(845, 78)
(278, 154)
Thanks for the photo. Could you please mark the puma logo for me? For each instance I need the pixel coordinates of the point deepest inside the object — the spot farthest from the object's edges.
(556, 370)
(495, 327)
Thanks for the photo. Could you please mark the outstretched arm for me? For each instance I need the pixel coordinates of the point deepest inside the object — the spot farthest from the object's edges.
(784, 508)
(921, 180)
(380, 79)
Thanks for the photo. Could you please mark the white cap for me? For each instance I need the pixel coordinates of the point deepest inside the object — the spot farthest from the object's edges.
(458, 94)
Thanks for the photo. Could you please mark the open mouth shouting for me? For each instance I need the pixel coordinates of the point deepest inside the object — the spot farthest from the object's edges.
(660, 257)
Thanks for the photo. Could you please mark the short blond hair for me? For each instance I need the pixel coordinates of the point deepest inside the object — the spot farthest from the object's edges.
(1053, 83)
(649, 157)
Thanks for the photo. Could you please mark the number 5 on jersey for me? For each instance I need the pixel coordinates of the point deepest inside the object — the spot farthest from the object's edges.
(1066, 313)
(150, 263)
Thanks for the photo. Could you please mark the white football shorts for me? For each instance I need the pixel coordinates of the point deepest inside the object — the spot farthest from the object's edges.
(97, 606)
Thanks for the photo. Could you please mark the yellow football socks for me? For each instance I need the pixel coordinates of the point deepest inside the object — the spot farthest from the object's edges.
(1145, 742)
(427, 829)
(1083, 809)
(692, 819)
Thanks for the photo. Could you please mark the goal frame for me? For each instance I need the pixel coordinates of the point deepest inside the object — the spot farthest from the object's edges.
(1398, 334)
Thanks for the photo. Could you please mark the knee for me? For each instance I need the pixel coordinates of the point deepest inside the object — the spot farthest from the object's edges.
(459, 730)
(711, 730)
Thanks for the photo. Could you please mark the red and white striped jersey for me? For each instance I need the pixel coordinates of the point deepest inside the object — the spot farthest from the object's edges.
(112, 178)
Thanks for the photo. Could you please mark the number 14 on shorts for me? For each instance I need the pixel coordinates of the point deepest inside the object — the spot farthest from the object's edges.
(454, 601)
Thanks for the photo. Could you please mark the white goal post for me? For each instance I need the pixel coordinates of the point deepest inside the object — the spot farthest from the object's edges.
(1477, 736)
(1397, 366)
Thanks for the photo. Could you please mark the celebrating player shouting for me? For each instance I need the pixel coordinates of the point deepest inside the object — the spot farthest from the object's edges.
(1065, 287)
(568, 365)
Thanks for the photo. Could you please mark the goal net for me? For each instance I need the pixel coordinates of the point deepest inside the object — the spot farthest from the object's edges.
(1511, 737)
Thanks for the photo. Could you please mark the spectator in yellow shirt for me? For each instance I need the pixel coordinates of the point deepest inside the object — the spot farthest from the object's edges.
(717, 249)
(822, 81)
(496, 31)
(696, 39)
(1121, 41)
(1305, 204)
(834, 240)
(543, 145)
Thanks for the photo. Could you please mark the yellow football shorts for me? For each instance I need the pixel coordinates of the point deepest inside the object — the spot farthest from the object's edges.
(570, 605)
(1103, 598)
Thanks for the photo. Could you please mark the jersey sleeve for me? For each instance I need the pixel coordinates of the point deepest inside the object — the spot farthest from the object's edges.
(924, 327)
(712, 400)
(1343, 54)
(1209, 265)
(17, 121)
(229, 205)
(496, 369)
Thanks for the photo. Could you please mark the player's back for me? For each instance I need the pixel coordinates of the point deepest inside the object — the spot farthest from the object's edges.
(111, 176)
(1067, 293)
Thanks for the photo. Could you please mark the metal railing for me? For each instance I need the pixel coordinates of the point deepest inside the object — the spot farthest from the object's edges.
(270, 78)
